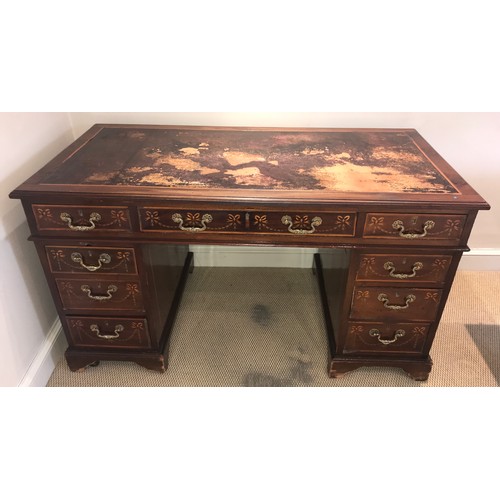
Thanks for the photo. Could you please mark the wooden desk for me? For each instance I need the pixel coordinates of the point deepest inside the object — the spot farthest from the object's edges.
(112, 217)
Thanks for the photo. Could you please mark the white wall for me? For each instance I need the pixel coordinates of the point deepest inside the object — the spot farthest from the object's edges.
(27, 313)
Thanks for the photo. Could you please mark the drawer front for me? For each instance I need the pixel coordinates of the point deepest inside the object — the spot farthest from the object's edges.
(91, 260)
(304, 223)
(85, 219)
(190, 221)
(92, 294)
(108, 332)
(384, 338)
(397, 304)
(400, 268)
(159, 219)
(414, 227)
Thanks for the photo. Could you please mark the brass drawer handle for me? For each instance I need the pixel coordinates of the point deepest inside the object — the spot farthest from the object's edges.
(315, 222)
(399, 226)
(205, 219)
(408, 300)
(376, 333)
(107, 336)
(389, 266)
(109, 294)
(104, 258)
(94, 217)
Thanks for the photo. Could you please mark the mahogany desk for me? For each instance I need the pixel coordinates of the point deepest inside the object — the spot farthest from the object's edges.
(112, 217)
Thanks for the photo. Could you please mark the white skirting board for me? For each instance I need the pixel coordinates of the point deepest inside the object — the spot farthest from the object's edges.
(52, 350)
(50, 353)
(479, 259)
(242, 256)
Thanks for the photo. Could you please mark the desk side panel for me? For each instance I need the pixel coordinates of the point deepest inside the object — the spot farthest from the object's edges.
(335, 271)
(163, 271)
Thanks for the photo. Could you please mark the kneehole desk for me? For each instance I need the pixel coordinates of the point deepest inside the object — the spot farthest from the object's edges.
(113, 215)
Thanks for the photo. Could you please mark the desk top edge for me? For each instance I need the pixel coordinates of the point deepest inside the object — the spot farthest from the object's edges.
(460, 193)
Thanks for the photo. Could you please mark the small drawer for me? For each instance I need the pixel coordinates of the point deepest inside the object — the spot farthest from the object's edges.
(378, 338)
(304, 223)
(86, 219)
(401, 268)
(420, 304)
(108, 332)
(414, 227)
(91, 260)
(94, 295)
(190, 221)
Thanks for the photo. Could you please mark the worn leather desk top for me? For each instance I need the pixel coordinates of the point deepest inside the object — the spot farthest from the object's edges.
(260, 164)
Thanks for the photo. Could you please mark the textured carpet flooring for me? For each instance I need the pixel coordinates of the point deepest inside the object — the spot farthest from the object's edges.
(264, 327)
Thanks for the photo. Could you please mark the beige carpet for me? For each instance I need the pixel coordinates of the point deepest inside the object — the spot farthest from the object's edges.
(264, 327)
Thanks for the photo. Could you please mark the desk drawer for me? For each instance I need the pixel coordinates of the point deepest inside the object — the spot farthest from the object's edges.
(95, 260)
(384, 338)
(190, 221)
(94, 295)
(108, 332)
(413, 227)
(85, 219)
(403, 267)
(290, 222)
(304, 223)
(399, 304)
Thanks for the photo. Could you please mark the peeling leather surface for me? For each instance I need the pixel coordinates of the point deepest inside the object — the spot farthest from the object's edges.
(366, 162)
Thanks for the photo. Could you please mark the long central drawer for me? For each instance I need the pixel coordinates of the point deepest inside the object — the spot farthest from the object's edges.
(290, 222)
